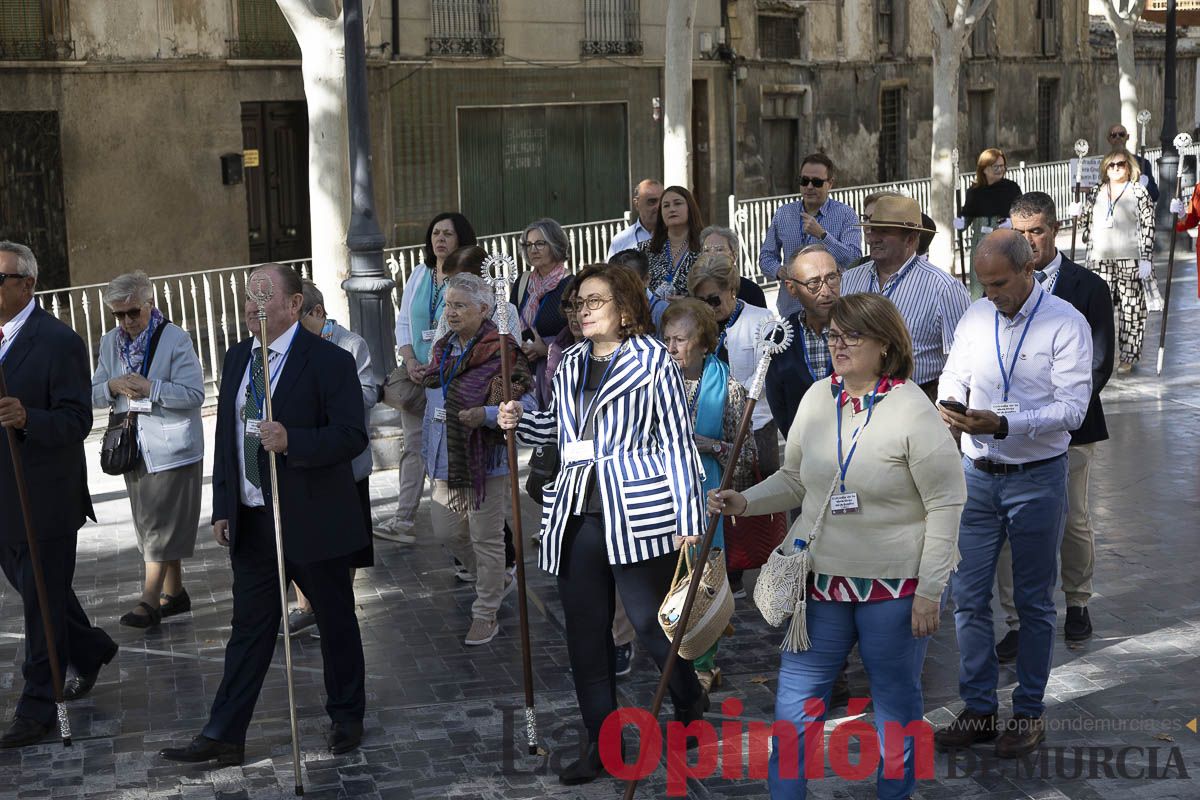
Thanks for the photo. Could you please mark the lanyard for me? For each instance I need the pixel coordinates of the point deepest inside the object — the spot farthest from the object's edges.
(458, 363)
(804, 352)
(890, 289)
(435, 295)
(1112, 204)
(844, 465)
(670, 279)
(587, 366)
(259, 400)
(733, 318)
(1006, 376)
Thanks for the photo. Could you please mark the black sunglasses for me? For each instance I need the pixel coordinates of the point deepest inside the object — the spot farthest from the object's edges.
(713, 300)
(817, 182)
(6, 275)
(132, 313)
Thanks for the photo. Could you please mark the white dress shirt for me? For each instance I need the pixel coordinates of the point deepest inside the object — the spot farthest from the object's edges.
(13, 327)
(1051, 271)
(277, 355)
(629, 238)
(741, 344)
(1052, 379)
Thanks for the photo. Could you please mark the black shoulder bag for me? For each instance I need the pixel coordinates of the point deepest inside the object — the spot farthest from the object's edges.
(119, 451)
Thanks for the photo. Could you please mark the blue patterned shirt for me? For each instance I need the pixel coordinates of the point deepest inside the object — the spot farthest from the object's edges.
(785, 235)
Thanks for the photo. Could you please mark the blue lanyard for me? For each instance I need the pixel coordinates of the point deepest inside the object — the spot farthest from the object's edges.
(670, 279)
(1006, 376)
(733, 318)
(891, 288)
(844, 465)
(435, 296)
(458, 363)
(804, 352)
(587, 366)
(1112, 204)
(260, 400)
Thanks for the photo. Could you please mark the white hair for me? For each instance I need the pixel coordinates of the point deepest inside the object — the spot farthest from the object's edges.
(132, 287)
(475, 288)
(26, 263)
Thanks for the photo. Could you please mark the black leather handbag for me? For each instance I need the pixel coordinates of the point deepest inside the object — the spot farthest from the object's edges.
(543, 466)
(119, 451)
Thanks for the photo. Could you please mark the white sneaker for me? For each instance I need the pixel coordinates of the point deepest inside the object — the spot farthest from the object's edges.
(482, 631)
(396, 530)
(464, 574)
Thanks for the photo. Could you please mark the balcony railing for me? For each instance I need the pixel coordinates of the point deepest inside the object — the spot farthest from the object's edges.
(466, 28)
(612, 28)
(262, 32)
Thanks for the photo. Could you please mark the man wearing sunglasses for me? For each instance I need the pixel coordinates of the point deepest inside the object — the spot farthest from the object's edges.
(813, 218)
(49, 408)
(1118, 138)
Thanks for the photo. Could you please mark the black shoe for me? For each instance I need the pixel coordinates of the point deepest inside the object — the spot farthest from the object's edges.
(1006, 648)
(1078, 626)
(737, 588)
(585, 770)
(967, 729)
(344, 736)
(1021, 736)
(22, 731)
(80, 685)
(152, 617)
(624, 659)
(202, 749)
(179, 604)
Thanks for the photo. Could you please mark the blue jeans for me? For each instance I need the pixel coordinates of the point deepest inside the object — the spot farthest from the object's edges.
(893, 658)
(1029, 509)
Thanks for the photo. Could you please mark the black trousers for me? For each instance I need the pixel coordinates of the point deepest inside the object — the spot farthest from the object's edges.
(586, 584)
(256, 618)
(79, 643)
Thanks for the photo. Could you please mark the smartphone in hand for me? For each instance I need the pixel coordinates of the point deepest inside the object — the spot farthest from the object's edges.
(953, 405)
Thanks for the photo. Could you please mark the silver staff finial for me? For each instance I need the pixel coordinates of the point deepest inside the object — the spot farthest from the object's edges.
(1143, 117)
(954, 156)
(1081, 147)
(500, 271)
(260, 288)
(1182, 141)
(772, 337)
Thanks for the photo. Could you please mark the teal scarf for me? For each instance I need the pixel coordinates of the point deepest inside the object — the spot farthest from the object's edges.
(420, 320)
(709, 417)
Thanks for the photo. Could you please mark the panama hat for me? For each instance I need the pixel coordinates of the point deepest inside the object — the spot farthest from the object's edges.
(897, 212)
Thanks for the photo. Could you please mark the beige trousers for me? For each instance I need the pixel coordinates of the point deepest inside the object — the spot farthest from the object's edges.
(622, 629)
(411, 467)
(476, 538)
(1077, 556)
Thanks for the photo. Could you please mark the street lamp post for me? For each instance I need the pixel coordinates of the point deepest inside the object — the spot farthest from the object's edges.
(1168, 162)
(368, 288)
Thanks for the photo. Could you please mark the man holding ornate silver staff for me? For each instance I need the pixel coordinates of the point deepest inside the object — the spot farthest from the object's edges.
(310, 428)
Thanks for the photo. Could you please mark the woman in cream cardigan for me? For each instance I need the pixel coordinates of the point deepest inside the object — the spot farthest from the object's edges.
(885, 550)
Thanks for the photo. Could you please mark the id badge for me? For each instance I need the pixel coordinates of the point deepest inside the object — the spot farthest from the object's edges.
(664, 290)
(143, 406)
(985, 229)
(844, 503)
(253, 427)
(1109, 222)
(577, 452)
(429, 335)
(1004, 409)
(439, 414)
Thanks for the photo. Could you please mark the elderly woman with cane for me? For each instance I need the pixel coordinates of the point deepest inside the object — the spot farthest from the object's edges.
(881, 490)
(147, 365)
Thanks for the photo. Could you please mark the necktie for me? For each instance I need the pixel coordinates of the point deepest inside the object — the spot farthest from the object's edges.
(256, 387)
(1040, 274)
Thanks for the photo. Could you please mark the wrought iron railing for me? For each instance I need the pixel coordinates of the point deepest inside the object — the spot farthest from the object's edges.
(612, 28)
(262, 32)
(469, 28)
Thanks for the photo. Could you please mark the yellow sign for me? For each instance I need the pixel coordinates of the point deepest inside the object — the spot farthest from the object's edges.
(1191, 726)
(249, 158)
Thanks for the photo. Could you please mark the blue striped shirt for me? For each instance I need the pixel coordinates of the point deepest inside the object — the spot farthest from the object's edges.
(785, 235)
(931, 303)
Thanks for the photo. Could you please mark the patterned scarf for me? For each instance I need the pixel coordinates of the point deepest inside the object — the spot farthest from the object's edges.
(133, 352)
(473, 452)
(836, 385)
(537, 288)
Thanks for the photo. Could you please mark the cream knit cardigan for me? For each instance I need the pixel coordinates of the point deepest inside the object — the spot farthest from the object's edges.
(909, 478)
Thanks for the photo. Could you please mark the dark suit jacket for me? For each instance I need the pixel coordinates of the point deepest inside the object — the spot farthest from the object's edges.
(1090, 295)
(319, 401)
(788, 379)
(47, 369)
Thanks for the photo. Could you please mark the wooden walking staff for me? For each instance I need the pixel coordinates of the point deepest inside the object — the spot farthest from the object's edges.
(1081, 150)
(261, 289)
(501, 272)
(39, 577)
(773, 337)
(962, 251)
(1181, 142)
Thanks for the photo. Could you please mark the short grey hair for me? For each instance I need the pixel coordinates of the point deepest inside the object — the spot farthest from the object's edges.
(474, 287)
(1007, 244)
(728, 234)
(808, 249)
(26, 263)
(560, 246)
(132, 287)
(312, 297)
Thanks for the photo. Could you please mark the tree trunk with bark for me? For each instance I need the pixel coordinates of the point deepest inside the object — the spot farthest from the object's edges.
(1122, 16)
(677, 107)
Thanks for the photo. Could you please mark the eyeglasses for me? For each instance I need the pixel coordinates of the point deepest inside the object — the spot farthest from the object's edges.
(1115, 135)
(713, 300)
(538, 245)
(6, 275)
(847, 339)
(132, 313)
(1118, 165)
(569, 307)
(717, 248)
(816, 182)
(814, 285)
(593, 303)
(997, 167)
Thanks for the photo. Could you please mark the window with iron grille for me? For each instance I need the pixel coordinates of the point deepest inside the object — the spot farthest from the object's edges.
(780, 36)
(612, 28)
(262, 32)
(1047, 120)
(893, 156)
(466, 28)
(29, 30)
(885, 22)
(1047, 17)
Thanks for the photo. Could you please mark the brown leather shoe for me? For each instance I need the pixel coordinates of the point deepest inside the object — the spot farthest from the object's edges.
(1021, 736)
(967, 729)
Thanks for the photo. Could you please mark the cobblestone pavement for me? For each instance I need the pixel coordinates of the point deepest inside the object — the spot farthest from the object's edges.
(444, 721)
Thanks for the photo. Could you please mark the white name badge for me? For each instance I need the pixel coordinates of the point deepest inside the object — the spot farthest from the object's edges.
(429, 335)
(253, 427)
(143, 406)
(439, 415)
(577, 452)
(1108, 222)
(665, 290)
(985, 229)
(844, 503)
(1004, 409)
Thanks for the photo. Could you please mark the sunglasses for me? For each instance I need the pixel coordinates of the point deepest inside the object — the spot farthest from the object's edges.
(1118, 165)
(1118, 136)
(817, 182)
(713, 300)
(132, 313)
(6, 275)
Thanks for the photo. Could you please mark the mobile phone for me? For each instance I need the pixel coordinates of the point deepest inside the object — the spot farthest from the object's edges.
(953, 405)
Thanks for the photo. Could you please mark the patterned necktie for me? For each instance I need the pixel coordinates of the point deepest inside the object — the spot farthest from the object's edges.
(1040, 275)
(255, 387)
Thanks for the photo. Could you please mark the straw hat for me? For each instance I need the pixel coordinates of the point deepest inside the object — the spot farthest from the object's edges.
(897, 212)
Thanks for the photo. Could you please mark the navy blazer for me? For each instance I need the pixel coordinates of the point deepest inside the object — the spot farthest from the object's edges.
(788, 378)
(47, 369)
(319, 401)
(1091, 297)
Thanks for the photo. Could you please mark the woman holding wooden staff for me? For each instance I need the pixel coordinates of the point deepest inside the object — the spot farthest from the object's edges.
(629, 486)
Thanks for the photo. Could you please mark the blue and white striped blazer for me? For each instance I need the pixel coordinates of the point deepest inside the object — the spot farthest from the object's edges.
(647, 468)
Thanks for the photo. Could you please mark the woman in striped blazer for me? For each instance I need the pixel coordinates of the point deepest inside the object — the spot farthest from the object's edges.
(628, 487)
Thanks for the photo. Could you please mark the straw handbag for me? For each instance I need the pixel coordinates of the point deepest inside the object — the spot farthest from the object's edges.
(711, 610)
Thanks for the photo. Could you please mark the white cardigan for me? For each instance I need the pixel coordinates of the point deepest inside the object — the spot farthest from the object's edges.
(740, 342)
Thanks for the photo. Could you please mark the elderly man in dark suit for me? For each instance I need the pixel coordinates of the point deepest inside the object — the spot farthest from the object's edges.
(49, 407)
(1033, 215)
(317, 431)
